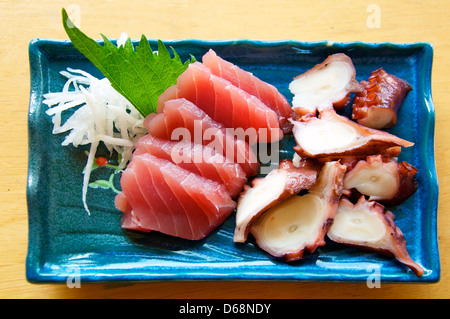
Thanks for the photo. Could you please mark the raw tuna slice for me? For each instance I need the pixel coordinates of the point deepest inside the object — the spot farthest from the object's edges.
(158, 195)
(223, 101)
(251, 84)
(183, 120)
(169, 94)
(196, 158)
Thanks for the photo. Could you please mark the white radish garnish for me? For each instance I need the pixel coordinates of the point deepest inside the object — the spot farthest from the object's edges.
(265, 192)
(368, 225)
(325, 86)
(333, 135)
(300, 223)
(102, 115)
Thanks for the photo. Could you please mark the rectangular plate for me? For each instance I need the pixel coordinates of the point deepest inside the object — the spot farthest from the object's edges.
(65, 241)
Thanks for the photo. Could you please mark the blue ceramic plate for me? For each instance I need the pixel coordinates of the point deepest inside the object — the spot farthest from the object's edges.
(64, 241)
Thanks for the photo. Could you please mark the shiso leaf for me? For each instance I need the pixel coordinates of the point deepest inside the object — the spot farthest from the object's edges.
(139, 74)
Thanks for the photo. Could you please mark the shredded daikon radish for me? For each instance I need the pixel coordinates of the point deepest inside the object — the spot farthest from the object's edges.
(102, 115)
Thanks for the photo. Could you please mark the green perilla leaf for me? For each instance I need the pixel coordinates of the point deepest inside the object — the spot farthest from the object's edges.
(140, 74)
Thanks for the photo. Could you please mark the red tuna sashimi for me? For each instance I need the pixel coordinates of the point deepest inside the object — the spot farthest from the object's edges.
(170, 93)
(183, 120)
(251, 84)
(210, 197)
(136, 182)
(158, 195)
(220, 99)
(196, 158)
(128, 220)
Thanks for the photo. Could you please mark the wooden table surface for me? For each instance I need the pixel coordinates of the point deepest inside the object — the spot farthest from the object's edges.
(346, 20)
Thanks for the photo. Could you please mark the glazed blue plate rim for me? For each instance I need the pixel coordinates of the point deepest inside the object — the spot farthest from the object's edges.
(39, 270)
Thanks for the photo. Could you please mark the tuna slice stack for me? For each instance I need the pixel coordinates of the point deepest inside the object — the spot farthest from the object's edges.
(188, 171)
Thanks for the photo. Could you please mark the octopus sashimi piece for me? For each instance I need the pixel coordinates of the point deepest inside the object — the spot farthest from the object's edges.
(351, 160)
(368, 225)
(194, 125)
(378, 104)
(300, 223)
(325, 86)
(384, 180)
(266, 192)
(196, 158)
(251, 84)
(332, 135)
(213, 96)
(163, 197)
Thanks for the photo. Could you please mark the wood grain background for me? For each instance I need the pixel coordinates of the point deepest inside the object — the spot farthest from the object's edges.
(346, 20)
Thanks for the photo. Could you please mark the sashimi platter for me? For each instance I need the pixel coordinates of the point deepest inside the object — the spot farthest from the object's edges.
(237, 160)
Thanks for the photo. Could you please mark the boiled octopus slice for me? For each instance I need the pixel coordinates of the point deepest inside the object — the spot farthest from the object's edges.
(332, 136)
(368, 225)
(300, 223)
(382, 179)
(327, 85)
(378, 104)
(408, 184)
(266, 192)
